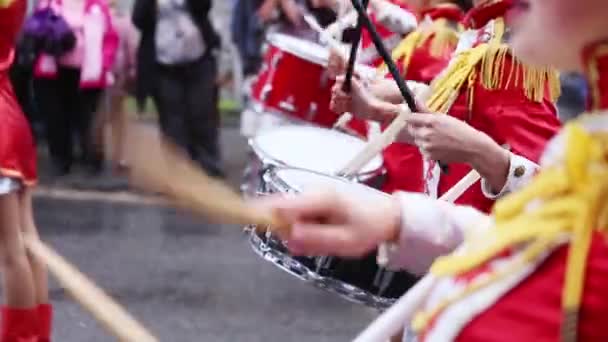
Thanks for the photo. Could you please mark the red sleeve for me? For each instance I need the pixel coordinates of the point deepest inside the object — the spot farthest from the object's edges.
(510, 117)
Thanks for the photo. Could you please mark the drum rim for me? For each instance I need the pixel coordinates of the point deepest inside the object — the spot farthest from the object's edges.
(271, 177)
(267, 159)
(272, 39)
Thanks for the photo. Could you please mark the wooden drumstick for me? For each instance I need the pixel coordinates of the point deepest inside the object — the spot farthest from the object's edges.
(342, 121)
(376, 145)
(393, 320)
(159, 166)
(105, 310)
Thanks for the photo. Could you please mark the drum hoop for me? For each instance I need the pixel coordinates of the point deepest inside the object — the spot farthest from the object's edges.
(273, 40)
(267, 159)
(271, 177)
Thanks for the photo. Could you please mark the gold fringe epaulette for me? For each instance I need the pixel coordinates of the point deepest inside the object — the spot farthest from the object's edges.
(567, 200)
(5, 3)
(444, 39)
(486, 63)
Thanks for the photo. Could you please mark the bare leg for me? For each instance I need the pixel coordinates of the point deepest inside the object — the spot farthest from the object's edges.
(38, 267)
(118, 122)
(17, 278)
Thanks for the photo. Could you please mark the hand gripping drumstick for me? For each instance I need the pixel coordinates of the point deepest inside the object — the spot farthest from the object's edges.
(157, 165)
(111, 315)
(406, 93)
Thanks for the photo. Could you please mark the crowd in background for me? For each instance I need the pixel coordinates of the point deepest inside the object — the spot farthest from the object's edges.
(78, 60)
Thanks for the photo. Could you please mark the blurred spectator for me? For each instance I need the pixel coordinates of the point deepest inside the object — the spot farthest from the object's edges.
(68, 87)
(574, 94)
(251, 18)
(178, 37)
(112, 113)
(248, 34)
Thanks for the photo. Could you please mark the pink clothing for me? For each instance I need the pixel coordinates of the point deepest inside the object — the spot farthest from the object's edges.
(75, 18)
(96, 43)
(126, 54)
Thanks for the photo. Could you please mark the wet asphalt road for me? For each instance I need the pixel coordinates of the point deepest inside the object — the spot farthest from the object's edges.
(185, 279)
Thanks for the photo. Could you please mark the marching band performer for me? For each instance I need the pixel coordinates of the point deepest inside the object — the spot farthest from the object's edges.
(421, 56)
(26, 314)
(492, 100)
(537, 269)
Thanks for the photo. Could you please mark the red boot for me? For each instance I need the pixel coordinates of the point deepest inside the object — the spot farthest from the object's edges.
(45, 320)
(19, 325)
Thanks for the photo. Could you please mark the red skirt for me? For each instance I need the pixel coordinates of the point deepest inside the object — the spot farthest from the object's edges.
(17, 148)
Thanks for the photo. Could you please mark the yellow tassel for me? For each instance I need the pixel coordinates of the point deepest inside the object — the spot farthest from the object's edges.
(564, 200)
(443, 39)
(489, 60)
(5, 3)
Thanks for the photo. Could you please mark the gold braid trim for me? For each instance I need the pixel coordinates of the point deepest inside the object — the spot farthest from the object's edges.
(6, 3)
(489, 60)
(565, 200)
(443, 39)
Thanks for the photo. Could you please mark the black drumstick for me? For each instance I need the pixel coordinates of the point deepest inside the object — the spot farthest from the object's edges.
(388, 60)
(346, 86)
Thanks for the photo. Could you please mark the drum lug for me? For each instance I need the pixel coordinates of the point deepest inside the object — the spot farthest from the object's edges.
(312, 111)
(266, 91)
(288, 105)
(276, 59)
(322, 263)
(383, 280)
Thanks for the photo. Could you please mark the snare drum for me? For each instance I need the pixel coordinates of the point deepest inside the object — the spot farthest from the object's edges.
(361, 281)
(306, 147)
(293, 81)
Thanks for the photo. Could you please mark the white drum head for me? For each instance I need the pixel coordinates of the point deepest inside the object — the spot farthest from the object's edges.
(311, 148)
(303, 180)
(304, 49)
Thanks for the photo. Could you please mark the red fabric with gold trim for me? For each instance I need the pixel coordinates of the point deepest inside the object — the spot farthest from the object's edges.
(403, 162)
(538, 299)
(17, 149)
(508, 117)
(596, 65)
(366, 38)
(481, 14)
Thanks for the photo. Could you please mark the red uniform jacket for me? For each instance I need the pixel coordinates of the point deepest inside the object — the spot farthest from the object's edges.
(17, 150)
(403, 162)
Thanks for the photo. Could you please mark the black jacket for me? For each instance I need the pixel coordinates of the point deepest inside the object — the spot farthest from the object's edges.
(144, 18)
(145, 15)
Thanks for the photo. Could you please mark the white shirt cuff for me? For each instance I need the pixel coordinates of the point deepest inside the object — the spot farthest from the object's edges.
(396, 18)
(430, 228)
(521, 171)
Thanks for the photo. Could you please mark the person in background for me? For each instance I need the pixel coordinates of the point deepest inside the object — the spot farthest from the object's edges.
(180, 39)
(112, 114)
(26, 313)
(68, 88)
(574, 94)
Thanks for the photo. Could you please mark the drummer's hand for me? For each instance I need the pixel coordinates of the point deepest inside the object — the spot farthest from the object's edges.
(359, 101)
(336, 64)
(330, 223)
(443, 137)
(267, 10)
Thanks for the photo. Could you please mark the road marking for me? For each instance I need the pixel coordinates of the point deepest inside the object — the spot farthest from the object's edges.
(114, 197)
